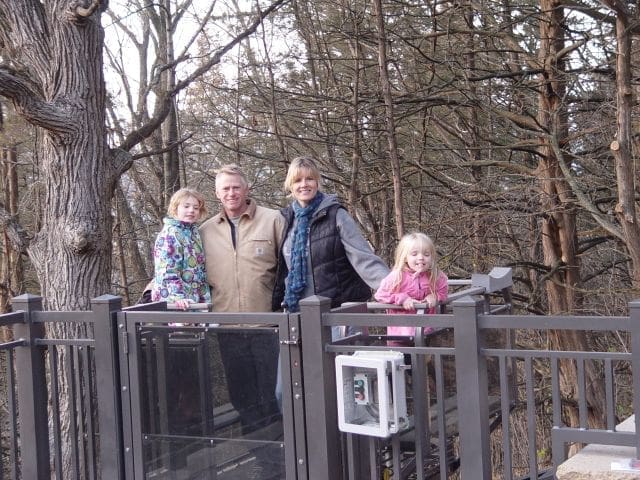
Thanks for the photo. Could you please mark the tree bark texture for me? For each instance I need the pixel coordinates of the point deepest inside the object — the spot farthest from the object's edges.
(389, 119)
(55, 81)
(11, 264)
(559, 232)
(59, 87)
(170, 126)
(624, 162)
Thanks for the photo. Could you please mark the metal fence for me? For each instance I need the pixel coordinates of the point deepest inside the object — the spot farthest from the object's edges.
(145, 398)
(48, 379)
(468, 423)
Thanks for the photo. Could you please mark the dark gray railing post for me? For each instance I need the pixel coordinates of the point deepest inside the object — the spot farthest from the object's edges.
(472, 391)
(32, 392)
(319, 381)
(634, 330)
(105, 332)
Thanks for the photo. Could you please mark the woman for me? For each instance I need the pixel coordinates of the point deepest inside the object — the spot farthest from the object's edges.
(323, 252)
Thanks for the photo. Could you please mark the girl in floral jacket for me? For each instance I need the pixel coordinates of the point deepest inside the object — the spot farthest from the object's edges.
(178, 254)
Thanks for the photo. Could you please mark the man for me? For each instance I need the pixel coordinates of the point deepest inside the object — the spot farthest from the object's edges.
(241, 249)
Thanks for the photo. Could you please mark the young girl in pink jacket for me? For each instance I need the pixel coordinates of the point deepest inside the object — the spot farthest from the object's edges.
(415, 278)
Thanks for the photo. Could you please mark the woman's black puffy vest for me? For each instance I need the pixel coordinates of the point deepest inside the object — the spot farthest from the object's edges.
(333, 275)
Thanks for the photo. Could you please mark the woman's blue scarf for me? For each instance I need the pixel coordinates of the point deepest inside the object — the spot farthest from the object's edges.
(297, 277)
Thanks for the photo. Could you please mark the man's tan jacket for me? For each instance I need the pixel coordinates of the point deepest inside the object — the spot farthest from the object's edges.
(242, 279)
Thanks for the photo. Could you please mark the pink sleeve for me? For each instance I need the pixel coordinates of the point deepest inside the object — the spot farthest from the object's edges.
(442, 287)
(385, 294)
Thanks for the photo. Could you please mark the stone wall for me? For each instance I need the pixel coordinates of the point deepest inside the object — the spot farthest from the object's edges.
(594, 461)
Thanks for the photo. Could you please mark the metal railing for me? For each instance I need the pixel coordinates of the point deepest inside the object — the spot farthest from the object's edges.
(432, 440)
(472, 381)
(496, 380)
(82, 392)
(9, 436)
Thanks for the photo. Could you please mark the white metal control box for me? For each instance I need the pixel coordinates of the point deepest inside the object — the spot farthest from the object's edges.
(371, 393)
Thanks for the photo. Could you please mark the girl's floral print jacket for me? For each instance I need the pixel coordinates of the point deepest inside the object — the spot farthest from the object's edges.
(179, 264)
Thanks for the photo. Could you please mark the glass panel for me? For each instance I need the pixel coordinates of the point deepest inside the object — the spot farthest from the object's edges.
(208, 403)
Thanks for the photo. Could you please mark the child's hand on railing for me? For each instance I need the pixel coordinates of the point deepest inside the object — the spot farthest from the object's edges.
(409, 304)
(187, 305)
(431, 300)
(191, 306)
(372, 306)
(182, 304)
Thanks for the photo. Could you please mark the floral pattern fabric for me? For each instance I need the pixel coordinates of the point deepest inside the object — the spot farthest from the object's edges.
(178, 257)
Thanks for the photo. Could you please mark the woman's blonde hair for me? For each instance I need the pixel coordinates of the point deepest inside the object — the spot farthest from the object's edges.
(180, 195)
(301, 166)
(413, 241)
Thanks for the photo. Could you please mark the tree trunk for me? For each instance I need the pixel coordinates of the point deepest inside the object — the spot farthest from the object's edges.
(170, 126)
(559, 233)
(71, 252)
(131, 264)
(390, 125)
(11, 265)
(621, 147)
(470, 136)
(356, 136)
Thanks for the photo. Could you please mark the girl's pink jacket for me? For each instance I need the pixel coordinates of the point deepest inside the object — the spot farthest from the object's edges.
(415, 287)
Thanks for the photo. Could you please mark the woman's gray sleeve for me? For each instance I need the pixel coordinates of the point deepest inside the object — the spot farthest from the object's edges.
(365, 262)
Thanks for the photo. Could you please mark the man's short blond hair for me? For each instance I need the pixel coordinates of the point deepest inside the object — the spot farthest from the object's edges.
(232, 169)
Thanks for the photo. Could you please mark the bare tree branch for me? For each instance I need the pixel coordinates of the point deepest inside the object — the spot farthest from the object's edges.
(165, 103)
(583, 200)
(29, 102)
